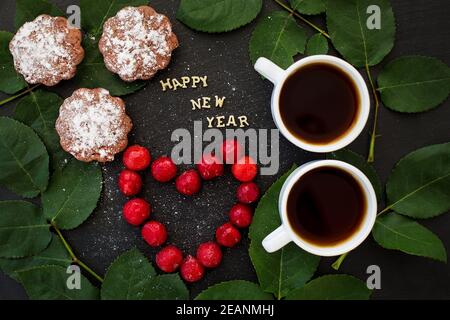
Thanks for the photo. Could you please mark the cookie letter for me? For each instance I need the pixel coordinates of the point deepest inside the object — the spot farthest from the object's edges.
(196, 104)
(243, 121)
(231, 121)
(220, 122)
(176, 84)
(206, 104)
(185, 80)
(219, 101)
(210, 121)
(204, 80)
(166, 85)
(195, 81)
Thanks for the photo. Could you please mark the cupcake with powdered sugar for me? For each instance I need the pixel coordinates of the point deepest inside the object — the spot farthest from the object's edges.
(47, 50)
(137, 42)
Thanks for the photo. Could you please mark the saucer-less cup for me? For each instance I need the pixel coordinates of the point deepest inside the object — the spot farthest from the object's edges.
(286, 234)
(278, 77)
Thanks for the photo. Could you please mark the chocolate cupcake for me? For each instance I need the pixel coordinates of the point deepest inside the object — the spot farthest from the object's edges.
(93, 125)
(47, 50)
(137, 42)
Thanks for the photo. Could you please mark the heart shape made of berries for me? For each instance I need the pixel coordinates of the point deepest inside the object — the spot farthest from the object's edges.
(137, 211)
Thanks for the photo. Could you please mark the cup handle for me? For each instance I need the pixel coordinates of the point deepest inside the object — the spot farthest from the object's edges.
(269, 70)
(276, 240)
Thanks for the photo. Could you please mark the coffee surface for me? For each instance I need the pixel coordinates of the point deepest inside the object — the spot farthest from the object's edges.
(319, 103)
(326, 206)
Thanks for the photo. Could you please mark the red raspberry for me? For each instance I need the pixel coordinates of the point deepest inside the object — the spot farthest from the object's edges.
(154, 233)
(245, 169)
(241, 215)
(227, 235)
(130, 183)
(210, 167)
(209, 254)
(231, 151)
(188, 183)
(136, 158)
(191, 270)
(247, 192)
(169, 258)
(136, 211)
(163, 169)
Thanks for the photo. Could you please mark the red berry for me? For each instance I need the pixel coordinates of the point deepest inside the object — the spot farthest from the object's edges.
(163, 169)
(231, 151)
(136, 211)
(154, 233)
(245, 169)
(188, 183)
(191, 270)
(209, 254)
(227, 235)
(210, 167)
(130, 183)
(247, 192)
(169, 258)
(136, 158)
(241, 215)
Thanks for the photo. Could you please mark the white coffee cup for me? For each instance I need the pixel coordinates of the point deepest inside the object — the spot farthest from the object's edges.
(278, 77)
(285, 233)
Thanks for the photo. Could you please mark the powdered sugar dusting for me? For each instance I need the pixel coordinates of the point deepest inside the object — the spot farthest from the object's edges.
(46, 50)
(92, 123)
(137, 42)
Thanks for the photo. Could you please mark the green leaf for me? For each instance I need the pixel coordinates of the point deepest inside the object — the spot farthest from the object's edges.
(127, 277)
(166, 287)
(54, 254)
(50, 283)
(93, 16)
(420, 182)
(414, 84)
(39, 110)
(317, 44)
(10, 80)
(308, 6)
(278, 38)
(234, 290)
(28, 10)
(92, 73)
(359, 162)
(332, 287)
(347, 26)
(217, 16)
(288, 268)
(393, 231)
(23, 159)
(73, 194)
(23, 229)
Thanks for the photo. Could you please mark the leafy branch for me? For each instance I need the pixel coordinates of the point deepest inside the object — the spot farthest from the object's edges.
(75, 259)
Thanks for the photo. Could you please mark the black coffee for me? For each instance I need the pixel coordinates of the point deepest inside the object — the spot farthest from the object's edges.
(326, 206)
(319, 103)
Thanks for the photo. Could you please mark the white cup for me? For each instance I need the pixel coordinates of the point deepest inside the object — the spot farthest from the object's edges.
(285, 233)
(278, 77)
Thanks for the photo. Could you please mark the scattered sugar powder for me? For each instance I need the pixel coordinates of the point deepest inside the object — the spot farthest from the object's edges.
(137, 42)
(46, 50)
(92, 122)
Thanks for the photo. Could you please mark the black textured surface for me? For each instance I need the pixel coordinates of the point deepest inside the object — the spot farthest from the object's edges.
(423, 28)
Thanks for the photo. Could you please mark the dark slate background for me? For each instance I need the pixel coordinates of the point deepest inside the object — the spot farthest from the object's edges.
(423, 28)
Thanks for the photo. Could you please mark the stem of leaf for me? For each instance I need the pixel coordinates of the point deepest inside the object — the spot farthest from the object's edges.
(295, 13)
(9, 99)
(373, 135)
(73, 256)
(337, 264)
